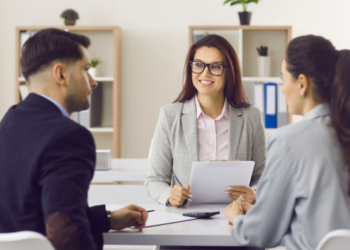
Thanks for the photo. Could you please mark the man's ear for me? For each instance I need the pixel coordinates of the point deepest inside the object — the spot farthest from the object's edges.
(60, 74)
(304, 85)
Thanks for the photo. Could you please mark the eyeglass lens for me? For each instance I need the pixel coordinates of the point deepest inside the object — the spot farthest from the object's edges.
(214, 69)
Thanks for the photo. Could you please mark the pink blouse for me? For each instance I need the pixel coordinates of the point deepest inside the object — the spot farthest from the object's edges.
(212, 134)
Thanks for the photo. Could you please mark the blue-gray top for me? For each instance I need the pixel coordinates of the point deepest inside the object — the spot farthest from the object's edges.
(303, 191)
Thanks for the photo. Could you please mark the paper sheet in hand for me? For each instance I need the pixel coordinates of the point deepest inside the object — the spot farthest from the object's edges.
(210, 180)
(157, 218)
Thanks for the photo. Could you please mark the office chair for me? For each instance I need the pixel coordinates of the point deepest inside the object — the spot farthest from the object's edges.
(337, 239)
(27, 240)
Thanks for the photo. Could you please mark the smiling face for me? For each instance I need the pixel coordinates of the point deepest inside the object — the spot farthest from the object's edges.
(205, 82)
(80, 85)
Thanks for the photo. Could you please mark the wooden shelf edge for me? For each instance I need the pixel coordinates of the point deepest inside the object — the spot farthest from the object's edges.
(97, 79)
(72, 28)
(243, 27)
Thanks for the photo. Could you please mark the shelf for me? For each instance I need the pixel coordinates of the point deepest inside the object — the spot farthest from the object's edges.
(103, 79)
(101, 130)
(97, 79)
(263, 79)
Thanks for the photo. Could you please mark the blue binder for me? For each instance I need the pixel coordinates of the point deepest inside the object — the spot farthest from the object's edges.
(270, 105)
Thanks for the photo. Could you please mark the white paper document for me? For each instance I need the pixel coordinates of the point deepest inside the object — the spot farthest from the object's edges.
(210, 180)
(157, 218)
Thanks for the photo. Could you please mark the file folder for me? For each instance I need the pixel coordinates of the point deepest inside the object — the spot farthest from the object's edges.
(270, 105)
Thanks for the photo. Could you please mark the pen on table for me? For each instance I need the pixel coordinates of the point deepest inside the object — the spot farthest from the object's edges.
(148, 211)
(180, 185)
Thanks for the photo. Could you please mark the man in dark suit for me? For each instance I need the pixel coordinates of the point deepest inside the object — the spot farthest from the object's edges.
(47, 160)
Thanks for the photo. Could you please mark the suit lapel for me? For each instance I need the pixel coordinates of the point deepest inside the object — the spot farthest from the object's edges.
(189, 124)
(236, 122)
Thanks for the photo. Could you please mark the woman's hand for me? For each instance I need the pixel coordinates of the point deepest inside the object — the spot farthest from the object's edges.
(233, 210)
(129, 216)
(247, 192)
(246, 206)
(178, 195)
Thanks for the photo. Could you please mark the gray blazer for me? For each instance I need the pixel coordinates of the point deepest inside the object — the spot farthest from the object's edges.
(175, 145)
(303, 192)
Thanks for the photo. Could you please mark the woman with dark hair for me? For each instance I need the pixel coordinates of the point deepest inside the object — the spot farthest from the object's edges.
(210, 120)
(304, 191)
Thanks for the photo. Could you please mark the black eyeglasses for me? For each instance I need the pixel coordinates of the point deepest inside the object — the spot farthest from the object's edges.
(216, 69)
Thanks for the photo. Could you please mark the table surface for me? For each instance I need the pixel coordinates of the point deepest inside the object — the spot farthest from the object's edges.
(123, 170)
(202, 232)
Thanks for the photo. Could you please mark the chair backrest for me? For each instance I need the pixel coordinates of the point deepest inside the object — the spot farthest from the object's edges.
(335, 240)
(25, 240)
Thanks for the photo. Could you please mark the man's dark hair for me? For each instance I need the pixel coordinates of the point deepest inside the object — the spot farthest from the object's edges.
(49, 45)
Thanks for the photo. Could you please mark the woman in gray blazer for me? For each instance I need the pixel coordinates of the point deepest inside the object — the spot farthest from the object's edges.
(304, 191)
(210, 120)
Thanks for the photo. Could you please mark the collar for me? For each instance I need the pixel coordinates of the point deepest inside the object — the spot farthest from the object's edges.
(200, 111)
(59, 106)
(320, 110)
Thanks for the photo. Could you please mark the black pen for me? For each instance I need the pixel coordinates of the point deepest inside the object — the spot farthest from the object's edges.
(180, 185)
(150, 211)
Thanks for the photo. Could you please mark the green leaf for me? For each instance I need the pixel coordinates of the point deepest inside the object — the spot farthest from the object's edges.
(95, 62)
(252, 1)
(227, 1)
(236, 2)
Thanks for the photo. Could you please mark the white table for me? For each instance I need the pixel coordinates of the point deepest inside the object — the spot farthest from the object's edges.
(123, 170)
(118, 194)
(205, 232)
(209, 232)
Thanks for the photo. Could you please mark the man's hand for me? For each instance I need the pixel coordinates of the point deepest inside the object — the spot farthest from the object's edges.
(178, 195)
(129, 216)
(233, 210)
(247, 192)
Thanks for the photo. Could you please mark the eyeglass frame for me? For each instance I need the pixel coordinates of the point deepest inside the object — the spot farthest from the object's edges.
(207, 65)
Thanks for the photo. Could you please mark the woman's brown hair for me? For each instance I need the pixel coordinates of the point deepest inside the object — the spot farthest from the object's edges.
(233, 90)
(329, 71)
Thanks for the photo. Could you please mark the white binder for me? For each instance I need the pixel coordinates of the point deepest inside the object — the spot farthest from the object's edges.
(282, 115)
(259, 98)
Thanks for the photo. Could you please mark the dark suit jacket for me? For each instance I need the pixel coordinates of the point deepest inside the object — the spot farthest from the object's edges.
(46, 164)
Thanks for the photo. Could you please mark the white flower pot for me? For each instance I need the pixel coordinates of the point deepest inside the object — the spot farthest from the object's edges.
(263, 66)
(92, 72)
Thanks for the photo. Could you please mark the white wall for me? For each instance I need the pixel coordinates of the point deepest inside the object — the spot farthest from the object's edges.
(155, 41)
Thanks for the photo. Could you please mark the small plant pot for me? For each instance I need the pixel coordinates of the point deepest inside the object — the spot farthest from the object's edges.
(69, 22)
(263, 66)
(92, 72)
(244, 17)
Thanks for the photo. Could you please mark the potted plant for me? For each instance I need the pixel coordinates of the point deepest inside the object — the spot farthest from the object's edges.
(70, 16)
(94, 63)
(244, 16)
(263, 62)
